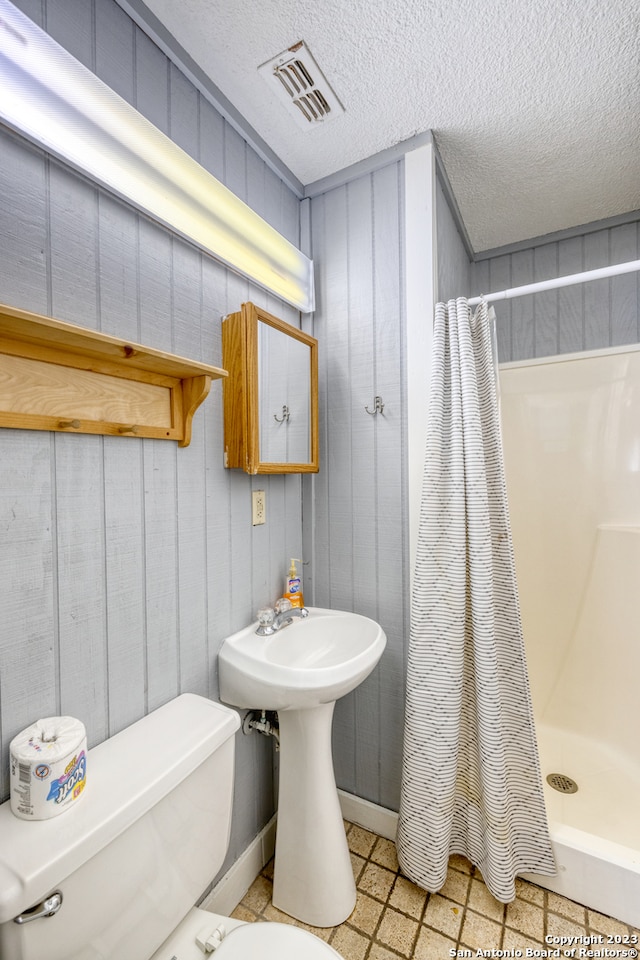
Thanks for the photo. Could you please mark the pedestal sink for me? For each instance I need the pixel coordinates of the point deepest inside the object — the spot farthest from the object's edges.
(301, 671)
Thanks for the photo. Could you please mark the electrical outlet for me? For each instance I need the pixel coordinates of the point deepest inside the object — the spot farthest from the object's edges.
(259, 507)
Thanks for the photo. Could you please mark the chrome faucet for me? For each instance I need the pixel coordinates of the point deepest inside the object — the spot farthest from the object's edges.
(271, 620)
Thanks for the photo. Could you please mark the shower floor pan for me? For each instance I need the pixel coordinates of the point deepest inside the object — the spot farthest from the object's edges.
(595, 832)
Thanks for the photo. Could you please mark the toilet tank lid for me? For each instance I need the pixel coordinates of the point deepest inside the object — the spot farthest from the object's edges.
(126, 775)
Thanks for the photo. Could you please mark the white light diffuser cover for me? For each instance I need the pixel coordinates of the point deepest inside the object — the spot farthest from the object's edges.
(56, 102)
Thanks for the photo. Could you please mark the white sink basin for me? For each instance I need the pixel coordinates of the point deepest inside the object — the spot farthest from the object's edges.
(309, 662)
(301, 671)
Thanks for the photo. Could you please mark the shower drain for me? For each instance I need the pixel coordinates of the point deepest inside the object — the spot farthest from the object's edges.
(562, 783)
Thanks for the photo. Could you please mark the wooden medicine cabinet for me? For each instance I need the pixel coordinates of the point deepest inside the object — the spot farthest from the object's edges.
(271, 394)
(58, 376)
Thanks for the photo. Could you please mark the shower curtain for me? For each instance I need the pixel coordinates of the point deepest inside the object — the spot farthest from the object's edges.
(471, 777)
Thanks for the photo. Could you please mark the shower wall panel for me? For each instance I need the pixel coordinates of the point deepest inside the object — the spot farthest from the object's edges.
(572, 459)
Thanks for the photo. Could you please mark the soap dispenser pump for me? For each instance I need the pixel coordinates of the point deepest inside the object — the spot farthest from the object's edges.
(293, 585)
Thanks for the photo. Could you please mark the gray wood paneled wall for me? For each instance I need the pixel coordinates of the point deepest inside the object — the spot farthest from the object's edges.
(360, 549)
(124, 562)
(356, 508)
(588, 316)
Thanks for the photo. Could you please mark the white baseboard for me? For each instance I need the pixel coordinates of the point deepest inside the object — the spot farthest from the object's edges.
(231, 888)
(369, 815)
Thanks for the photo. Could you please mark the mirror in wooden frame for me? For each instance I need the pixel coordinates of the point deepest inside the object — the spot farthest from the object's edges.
(270, 395)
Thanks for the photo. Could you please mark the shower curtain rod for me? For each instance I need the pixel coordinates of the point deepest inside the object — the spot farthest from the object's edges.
(612, 271)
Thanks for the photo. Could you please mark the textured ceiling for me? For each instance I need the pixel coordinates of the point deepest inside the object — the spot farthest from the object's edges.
(534, 103)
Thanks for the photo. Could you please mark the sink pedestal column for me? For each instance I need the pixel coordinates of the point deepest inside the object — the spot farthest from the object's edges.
(313, 877)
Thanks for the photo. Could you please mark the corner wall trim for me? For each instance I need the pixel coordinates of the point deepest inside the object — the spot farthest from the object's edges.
(368, 165)
(420, 289)
(452, 203)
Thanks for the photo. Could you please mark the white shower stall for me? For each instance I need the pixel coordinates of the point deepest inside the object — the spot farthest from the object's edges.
(571, 435)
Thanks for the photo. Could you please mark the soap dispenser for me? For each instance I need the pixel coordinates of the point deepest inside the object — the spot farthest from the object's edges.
(293, 585)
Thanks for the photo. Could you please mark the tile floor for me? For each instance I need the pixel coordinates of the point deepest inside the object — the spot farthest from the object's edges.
(395, 919)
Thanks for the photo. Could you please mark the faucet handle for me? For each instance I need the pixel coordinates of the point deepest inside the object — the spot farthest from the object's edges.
(282, 604)
(266, 616)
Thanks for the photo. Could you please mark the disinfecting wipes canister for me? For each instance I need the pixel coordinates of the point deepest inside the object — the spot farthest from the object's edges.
(48, 767)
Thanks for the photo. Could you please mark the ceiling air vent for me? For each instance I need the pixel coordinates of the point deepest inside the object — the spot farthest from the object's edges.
(301, 86)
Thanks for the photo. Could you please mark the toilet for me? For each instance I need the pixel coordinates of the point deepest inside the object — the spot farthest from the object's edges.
(117, 876)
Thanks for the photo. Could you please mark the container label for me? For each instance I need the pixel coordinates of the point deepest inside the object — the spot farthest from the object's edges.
(72, 781)
(294, 585)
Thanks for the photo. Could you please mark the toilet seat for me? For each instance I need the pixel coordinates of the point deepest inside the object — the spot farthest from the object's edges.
(273, 941)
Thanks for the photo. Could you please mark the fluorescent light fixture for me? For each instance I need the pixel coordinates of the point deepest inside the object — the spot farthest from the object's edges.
(53, 100)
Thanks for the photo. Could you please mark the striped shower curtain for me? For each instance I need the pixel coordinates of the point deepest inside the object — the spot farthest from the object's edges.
(471, 776)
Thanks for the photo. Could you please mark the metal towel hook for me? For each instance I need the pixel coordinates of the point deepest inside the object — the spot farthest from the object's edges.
(285, 415)
(378, 407)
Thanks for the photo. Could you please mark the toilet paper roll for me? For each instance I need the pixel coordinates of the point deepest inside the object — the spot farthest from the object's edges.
(48, 768)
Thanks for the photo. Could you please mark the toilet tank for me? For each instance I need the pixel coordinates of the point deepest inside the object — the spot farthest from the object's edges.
(136, 852)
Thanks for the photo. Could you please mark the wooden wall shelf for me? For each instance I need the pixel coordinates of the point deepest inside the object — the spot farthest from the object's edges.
(58, 376)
